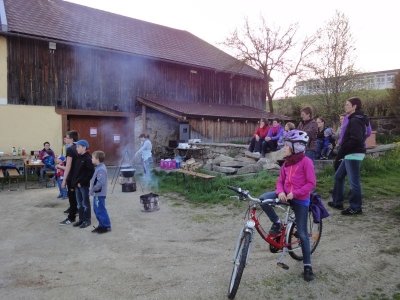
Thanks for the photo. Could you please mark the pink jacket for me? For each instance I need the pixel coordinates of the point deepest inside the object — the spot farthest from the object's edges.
(298, 179)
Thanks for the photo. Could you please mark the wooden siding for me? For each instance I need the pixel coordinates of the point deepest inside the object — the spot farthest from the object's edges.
(93, 79)
(222, 130)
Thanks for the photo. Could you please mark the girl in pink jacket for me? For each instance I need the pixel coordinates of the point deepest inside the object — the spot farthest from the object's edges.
(295, 183)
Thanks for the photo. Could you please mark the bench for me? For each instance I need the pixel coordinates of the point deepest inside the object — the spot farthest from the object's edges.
(13, 174)
(184, 172)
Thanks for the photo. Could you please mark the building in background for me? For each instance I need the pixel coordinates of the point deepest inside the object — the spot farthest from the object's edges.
(364, 81)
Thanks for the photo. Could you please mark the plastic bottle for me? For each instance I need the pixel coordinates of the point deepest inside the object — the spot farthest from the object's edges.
(14, 151)
(23, 152)
(19, 151)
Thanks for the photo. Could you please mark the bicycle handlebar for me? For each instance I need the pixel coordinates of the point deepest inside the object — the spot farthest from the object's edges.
(246, 194)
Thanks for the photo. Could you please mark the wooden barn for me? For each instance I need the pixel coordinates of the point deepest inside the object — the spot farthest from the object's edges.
(66, 66)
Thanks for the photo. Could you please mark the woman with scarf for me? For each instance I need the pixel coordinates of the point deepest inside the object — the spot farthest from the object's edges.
(271, 140)
(295, 183)
(310, 126)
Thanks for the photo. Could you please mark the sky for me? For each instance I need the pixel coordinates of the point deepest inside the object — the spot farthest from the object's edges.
(373, 23)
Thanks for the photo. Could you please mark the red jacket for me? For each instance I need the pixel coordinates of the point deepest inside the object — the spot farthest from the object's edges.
(262, 132)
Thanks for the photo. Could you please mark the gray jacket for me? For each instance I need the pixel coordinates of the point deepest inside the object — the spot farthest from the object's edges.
(98, 183)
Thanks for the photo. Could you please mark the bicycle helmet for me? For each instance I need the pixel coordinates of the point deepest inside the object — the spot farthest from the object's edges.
(298, 140)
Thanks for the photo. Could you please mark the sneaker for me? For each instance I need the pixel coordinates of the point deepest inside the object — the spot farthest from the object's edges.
(59, 196)
(76, 224)
(95, 229)
(335, 205)
(84, 224)
(66, 211)
(66, 222)
(349, 212)
(308, 273)
(275, 228)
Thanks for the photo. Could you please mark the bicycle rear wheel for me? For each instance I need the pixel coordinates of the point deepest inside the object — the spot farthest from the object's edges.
(239, 264)
(314, 233)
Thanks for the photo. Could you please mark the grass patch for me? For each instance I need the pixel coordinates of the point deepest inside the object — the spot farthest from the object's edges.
(378, 176)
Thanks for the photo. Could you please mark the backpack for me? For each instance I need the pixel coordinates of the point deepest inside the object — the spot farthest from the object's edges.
(49, 162)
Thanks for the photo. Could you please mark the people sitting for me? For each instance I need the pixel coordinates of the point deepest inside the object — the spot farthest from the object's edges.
(259, 136)
(46, 155)
(281, 141)
(270, 142)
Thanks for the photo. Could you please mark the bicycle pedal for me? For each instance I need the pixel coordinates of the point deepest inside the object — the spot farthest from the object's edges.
(283, 265)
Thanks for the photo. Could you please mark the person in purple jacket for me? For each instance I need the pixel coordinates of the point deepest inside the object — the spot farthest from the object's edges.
(343, 127)
(295, 183)
(270, 142)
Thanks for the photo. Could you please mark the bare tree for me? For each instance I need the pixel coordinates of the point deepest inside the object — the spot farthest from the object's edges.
(333, 63)
(395, 96)
(274, 52)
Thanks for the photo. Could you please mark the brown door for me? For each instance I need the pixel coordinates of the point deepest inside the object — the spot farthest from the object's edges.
(109, 134)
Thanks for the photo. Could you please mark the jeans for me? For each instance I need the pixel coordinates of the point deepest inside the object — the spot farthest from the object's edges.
(63, 191)
(44, 170)
(83, 201)
(147, 169)
(311, 154)
(99, 208)
(352, 169)
(301, 214)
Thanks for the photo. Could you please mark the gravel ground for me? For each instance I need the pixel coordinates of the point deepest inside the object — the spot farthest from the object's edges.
(183, 251)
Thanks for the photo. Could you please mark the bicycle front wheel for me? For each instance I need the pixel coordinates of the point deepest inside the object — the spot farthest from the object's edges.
(238, 264)
(314, 234)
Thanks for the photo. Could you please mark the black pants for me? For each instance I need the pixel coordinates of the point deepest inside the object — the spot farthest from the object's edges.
(255, 146)
(269, 146)
(73, 208)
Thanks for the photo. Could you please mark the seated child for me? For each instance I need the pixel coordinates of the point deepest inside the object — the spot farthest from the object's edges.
(328, 143)
(60, 167)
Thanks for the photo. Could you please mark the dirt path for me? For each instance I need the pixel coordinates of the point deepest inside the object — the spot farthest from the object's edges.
(182, 252)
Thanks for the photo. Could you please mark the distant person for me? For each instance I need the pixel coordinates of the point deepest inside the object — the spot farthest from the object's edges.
(47, 156)
(259, 136)
(60, 167)
(98, 189)
(146, 156)
(270, 143)
(325, 140)
(288, 126)
(351, 153)
(80, 181)
(71, 156)
(310, 126)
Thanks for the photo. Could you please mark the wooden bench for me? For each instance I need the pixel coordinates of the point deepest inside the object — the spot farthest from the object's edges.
(195, 175)
(13, 174)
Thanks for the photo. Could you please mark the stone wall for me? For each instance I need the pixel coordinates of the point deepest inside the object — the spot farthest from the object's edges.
(386, 125)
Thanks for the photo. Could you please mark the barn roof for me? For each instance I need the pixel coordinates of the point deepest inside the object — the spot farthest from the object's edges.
(63, 21)
(183, 110)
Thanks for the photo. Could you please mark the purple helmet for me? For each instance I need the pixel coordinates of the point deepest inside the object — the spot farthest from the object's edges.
(298, 139)
(298, 136)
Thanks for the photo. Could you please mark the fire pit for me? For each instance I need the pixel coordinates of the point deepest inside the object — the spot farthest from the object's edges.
(126, 179)
(150, 202)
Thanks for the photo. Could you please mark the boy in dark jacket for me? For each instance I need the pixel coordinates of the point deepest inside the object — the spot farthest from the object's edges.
(83, 172)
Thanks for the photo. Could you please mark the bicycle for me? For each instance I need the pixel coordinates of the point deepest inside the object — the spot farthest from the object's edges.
(286, 241)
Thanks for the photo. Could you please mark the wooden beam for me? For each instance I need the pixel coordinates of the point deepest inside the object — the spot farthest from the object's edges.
(82, 112)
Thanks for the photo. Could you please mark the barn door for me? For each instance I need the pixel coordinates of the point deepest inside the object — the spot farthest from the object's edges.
(109, 134)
